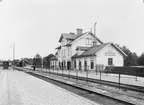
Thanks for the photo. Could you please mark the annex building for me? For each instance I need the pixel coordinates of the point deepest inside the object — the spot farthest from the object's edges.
(86, 51)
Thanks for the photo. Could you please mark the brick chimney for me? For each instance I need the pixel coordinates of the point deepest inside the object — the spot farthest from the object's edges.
(79, 31)
(94, 42)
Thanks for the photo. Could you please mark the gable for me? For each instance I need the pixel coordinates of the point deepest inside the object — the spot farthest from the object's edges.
(86, 35)
(108, 49)
(111, 50)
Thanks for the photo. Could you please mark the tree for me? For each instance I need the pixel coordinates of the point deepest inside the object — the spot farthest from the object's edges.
(141, 59)
(37, 61)
(131, 59)
(134, 59)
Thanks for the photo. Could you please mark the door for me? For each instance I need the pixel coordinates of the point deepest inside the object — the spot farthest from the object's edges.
(85, 65)
(80, 65)
(68, 65)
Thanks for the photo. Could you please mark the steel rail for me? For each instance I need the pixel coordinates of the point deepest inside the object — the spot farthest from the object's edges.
(81, 88)
(104, 82)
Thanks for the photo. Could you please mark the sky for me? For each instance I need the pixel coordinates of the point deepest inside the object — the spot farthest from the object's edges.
(35, 26)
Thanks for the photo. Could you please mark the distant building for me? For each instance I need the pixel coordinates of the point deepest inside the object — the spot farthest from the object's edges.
(86, 51)
(54, 62)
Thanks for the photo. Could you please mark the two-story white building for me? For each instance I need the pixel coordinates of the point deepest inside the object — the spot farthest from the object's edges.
(85, 50)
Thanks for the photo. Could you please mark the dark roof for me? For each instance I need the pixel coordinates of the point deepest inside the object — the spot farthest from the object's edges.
(73, 36)
(70, 36)
(82, 48)
(53, 58)
(95, 49)
(59, 47)
(74, 56)
(56, 53)
(67, 36)
(68, 44)
(92, 50)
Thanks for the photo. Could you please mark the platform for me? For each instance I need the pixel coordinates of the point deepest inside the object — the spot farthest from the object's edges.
(19, 88)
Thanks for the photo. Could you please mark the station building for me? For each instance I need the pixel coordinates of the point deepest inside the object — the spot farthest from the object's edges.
(86, 51)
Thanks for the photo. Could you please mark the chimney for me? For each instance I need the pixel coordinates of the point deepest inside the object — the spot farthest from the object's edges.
(79, 31)
(94, 42)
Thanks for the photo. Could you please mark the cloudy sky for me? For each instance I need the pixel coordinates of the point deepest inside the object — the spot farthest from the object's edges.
(36, 25)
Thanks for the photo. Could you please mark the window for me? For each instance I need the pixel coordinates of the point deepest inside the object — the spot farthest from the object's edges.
(110, 61)
(92, 64)
(68, 51)
(75, 64)
(88, 41)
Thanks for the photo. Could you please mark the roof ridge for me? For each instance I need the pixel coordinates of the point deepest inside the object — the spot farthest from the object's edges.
(96, 46)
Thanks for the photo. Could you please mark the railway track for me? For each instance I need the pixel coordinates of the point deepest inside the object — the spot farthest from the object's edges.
(95, 97)
(88, 93)
(104, 82)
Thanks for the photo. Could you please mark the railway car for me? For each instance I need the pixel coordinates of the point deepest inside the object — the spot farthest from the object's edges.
(5, 65)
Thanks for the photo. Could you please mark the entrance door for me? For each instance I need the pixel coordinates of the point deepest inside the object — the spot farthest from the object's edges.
(85, 65)
(80, 65)
(62, 66)
(68, 65)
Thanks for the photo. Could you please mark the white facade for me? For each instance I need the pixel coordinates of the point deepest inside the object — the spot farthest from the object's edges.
(101, 58)
(83, 41)
(110, 52)
(65, 53)
(109, 55)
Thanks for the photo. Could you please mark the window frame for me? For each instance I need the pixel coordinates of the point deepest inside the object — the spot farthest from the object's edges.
(110, 61)
(89, 41)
